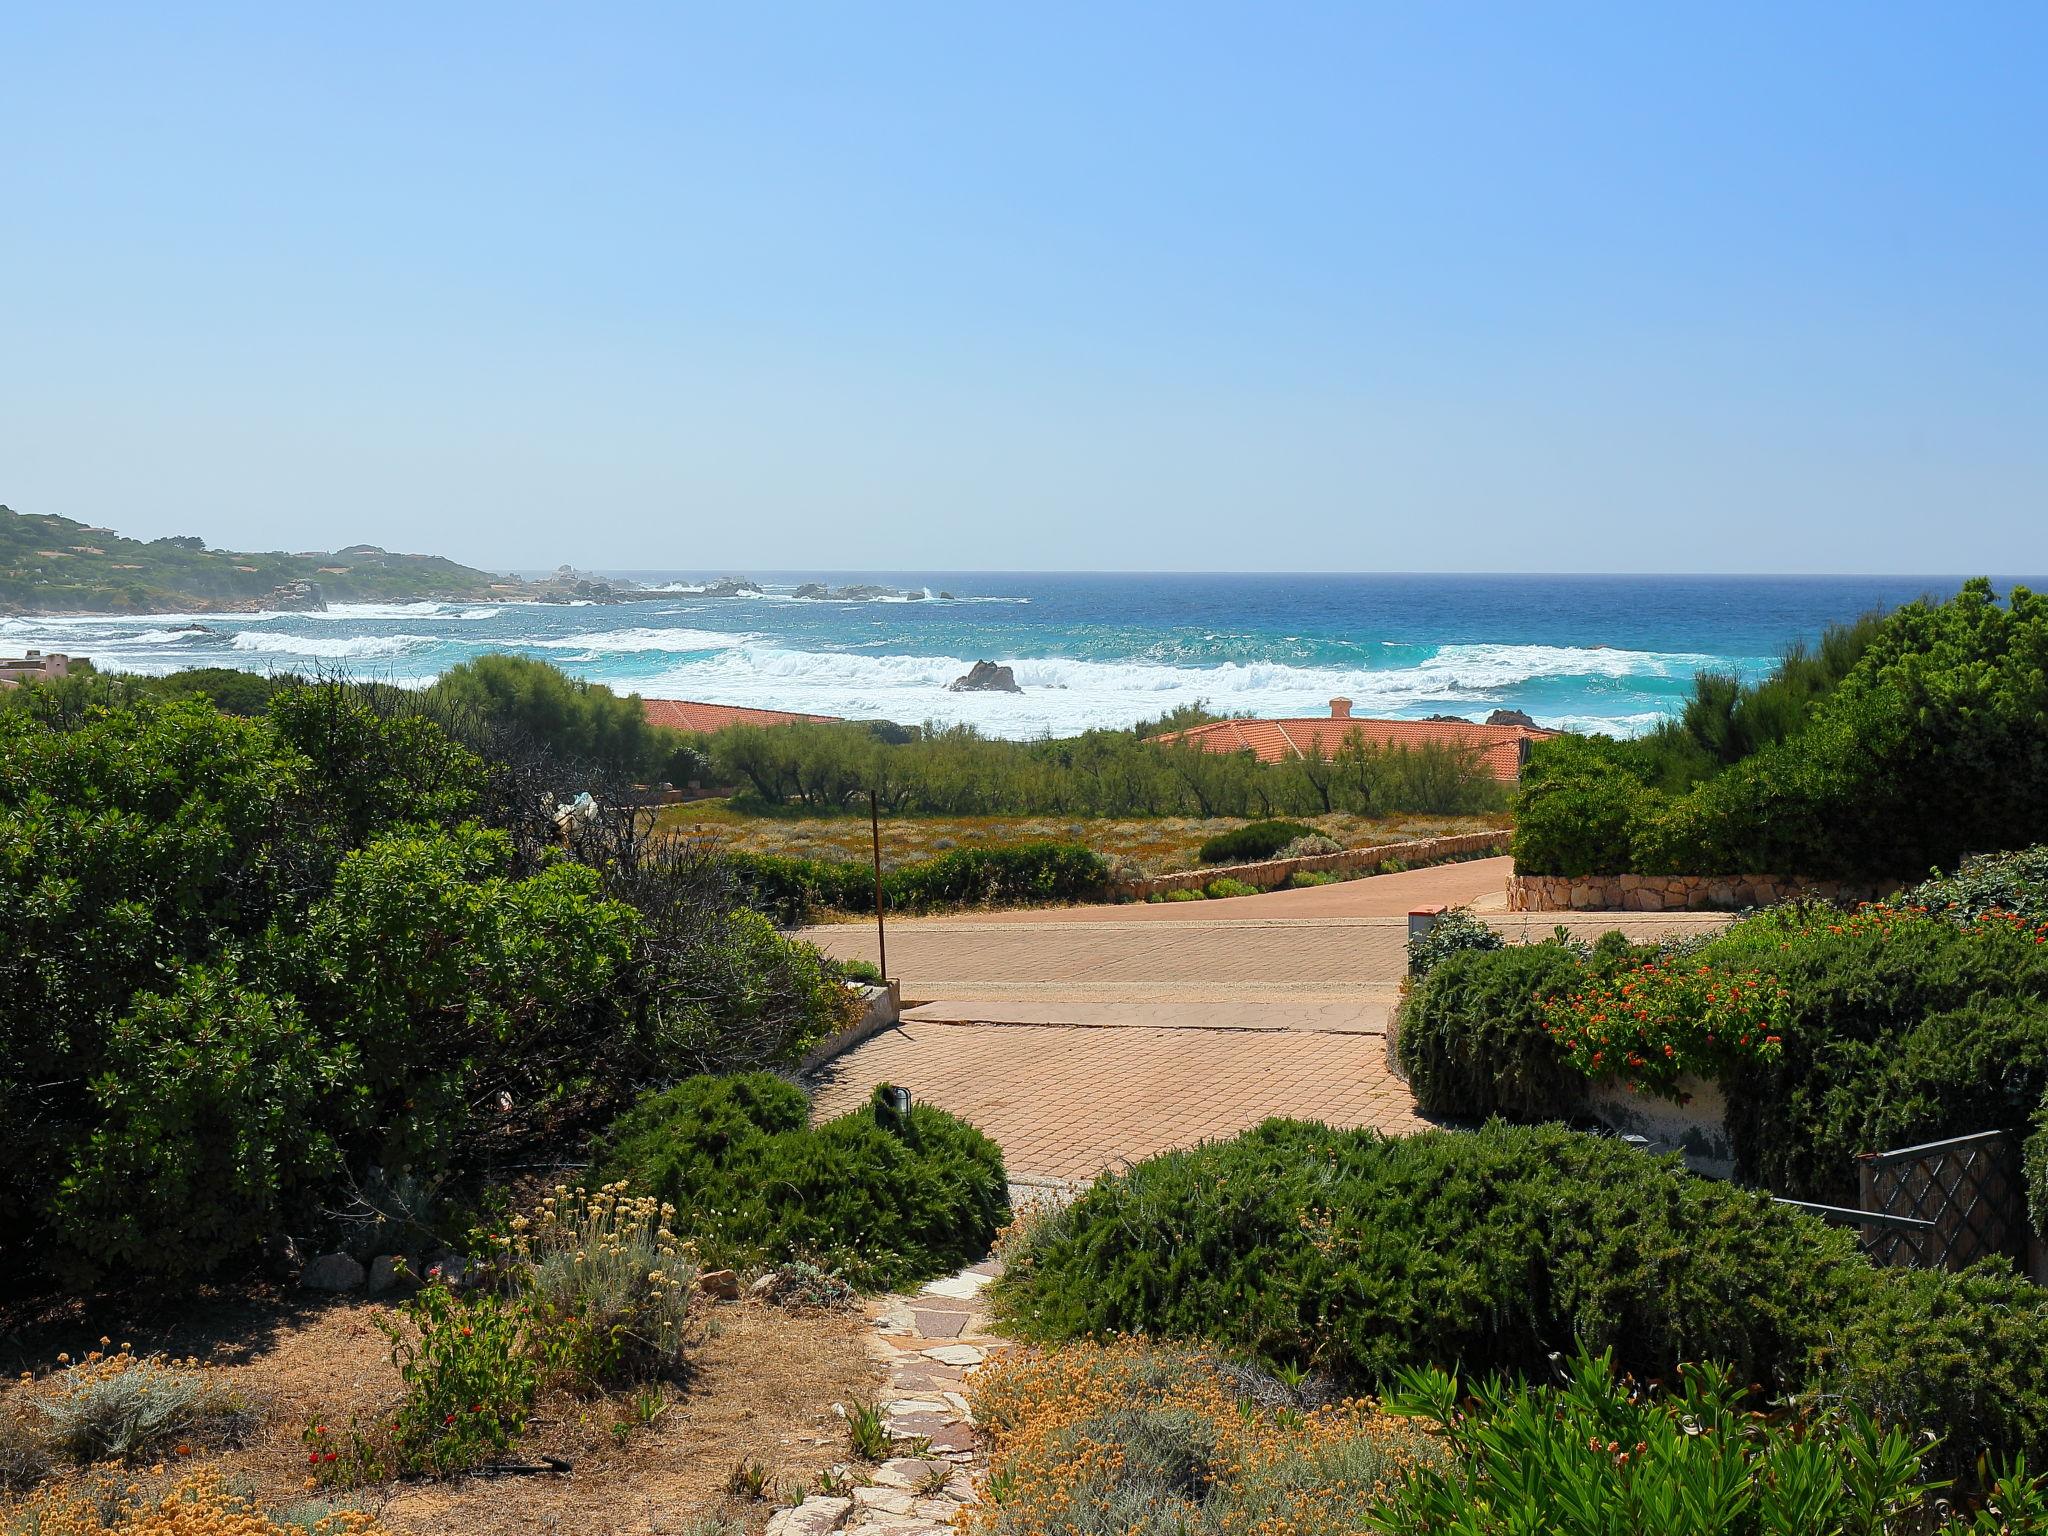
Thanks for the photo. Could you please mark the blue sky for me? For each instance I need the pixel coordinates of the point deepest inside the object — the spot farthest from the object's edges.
(1486, 287)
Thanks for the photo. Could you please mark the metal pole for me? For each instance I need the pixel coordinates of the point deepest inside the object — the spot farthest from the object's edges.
(881, 934)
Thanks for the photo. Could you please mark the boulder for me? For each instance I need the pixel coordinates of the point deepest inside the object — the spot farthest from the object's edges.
(985, 677)
(1510, 717)
(719, 1284)
(947, 597)
(386, 1270)
(813, 590)
(731, 586)
(331, 1272)
(1448, 719)
(296, 597)
(449, 1267)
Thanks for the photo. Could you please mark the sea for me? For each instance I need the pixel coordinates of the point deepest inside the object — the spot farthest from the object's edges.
(1587, 653)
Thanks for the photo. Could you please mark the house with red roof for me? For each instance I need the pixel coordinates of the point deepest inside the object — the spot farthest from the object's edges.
(703, 719)
(1501, 748)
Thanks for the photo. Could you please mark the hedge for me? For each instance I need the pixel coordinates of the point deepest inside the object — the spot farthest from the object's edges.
(1929, 748)
(1250, 843)
(1498, 1249)
(883, 1199)
(1902, 1028)
(1471, 1041)
(791, 890)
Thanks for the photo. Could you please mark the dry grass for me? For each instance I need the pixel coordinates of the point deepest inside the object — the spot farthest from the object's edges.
(1126, 1437)
(761, 1387)
(1156, 845)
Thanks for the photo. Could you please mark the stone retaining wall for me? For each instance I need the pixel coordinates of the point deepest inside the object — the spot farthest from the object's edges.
(1680, 893)
(1271, 872)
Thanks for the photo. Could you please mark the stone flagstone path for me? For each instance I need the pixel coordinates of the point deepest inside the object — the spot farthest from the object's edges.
(925, 1345)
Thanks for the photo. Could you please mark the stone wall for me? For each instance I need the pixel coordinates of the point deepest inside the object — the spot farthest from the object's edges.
(1271, 872)
(1680, 893)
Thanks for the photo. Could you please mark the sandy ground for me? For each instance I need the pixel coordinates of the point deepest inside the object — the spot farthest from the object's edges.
(760, 1388)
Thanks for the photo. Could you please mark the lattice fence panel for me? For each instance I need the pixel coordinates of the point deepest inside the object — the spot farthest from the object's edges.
(1969, 1187)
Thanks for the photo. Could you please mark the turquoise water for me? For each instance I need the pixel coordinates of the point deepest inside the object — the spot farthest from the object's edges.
(1611, 653)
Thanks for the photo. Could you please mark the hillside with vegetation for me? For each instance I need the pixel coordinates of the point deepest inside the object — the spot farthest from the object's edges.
(53, 564)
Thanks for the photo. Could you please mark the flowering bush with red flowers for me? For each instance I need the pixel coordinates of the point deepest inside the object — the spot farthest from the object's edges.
(1649, 1025)
(470, 1380)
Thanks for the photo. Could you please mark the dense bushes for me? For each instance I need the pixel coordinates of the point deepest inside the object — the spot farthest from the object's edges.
(1928, 747)
(2014, 883)
(1472, 1042)
(1893, 1028)
(956, 771)
(1598, 1456)
(1500, 1247)
(250, 961)
(885, 1199)
(1020, 873)
(1453, 931)
(1251, 842)
(583, 725)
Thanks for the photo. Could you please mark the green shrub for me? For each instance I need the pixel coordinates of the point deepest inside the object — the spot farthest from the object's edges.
(1254, 841)
(1472, 1041)
(1576, 810)
(1916, 741)
(1599, 1455)
(1986, 882)
(1020, 874)
(1497, 1248)
(1304, 879)
(1893, 1027)
(1218, 890)
(881, 1200)
(1452, 932)
(470, 1364)
(1903, 1029)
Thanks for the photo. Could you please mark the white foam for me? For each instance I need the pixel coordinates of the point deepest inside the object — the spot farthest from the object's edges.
(326, 647)
(627, 641)
(1063, 695)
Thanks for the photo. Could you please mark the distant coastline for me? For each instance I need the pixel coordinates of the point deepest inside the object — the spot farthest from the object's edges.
(1582, 653)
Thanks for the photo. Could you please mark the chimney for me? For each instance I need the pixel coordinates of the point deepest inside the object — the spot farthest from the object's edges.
(1340, 709)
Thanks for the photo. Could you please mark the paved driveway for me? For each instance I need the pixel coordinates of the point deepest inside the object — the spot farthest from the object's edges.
(1078, 1037)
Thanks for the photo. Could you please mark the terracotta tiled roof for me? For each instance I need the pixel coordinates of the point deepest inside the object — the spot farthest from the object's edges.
(688, 715)
(1500, 747)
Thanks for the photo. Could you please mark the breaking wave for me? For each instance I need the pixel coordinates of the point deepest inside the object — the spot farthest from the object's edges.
(327, 647)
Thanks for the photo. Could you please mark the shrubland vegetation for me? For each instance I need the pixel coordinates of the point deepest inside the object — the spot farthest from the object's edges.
(1833, 1032)
(880, 1197)
(1134, 1436)
(1901, 743)
(1349, 1254)
(251, 959)
(1020, 874)
(1600, 1454)
(956, 771)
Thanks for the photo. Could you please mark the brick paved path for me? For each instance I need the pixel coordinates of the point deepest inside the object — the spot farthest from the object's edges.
(1078, 1038)
(1066, 1103)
